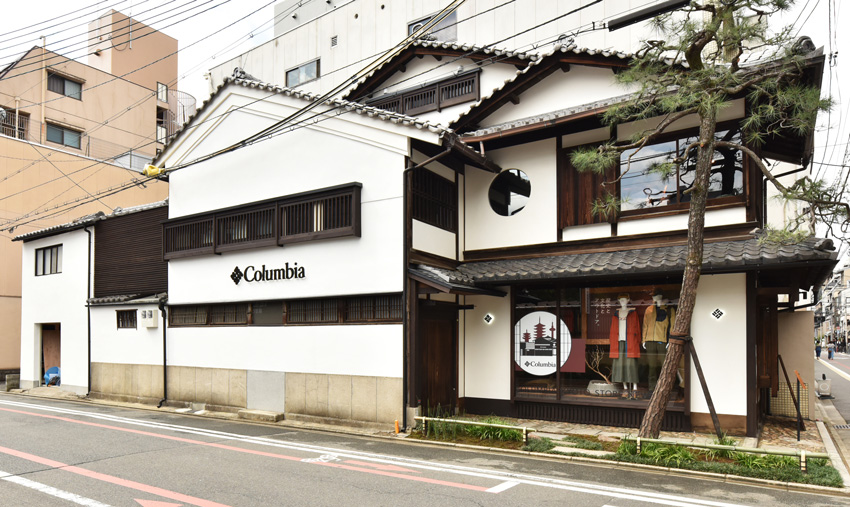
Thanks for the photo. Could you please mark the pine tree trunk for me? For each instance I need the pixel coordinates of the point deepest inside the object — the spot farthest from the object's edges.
(651, 425)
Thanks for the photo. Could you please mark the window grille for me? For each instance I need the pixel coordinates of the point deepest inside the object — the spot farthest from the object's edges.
(434, 200)
(374, 308)
(322, 214)
(126, 319)
(228, 314)
(191, 315)
(312, 311)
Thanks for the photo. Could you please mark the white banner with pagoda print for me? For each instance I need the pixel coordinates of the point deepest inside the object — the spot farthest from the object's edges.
(535, 338)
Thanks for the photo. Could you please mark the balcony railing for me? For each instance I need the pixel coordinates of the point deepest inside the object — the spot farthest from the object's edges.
(432, 97)
(100, 149)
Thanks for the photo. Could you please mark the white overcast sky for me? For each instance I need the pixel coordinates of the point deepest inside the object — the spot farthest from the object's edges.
(209, 37)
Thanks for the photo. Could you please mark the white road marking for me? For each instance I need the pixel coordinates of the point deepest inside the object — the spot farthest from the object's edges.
(836, 370)
(531, 480)
(502, 487)
(50, 490)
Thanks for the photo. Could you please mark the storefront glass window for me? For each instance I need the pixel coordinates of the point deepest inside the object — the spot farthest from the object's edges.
(610, 342)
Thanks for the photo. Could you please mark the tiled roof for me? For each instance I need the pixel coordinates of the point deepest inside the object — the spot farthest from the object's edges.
(85, 221)
(716, 256)
(129, 299)
(346, 105)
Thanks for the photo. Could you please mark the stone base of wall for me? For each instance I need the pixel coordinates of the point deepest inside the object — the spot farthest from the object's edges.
(126, 382)
(3, 373)
(344, 397)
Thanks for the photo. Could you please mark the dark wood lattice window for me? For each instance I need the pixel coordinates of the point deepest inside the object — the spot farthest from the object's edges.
(321, 214)
(126, 319)
(312, 311)
(434, 200)
(386, 308)
(189, 315)
(228, 314)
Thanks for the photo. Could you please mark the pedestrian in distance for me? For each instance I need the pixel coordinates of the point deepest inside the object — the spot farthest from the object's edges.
(831, 350)
(817, 350)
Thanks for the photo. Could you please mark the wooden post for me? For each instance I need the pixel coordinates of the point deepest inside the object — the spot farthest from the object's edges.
(705, 392)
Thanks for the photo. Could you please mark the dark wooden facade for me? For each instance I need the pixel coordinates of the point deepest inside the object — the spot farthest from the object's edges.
(128, 254)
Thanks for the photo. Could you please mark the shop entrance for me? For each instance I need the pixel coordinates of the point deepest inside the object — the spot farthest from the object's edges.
(438, 348)
(51, 347)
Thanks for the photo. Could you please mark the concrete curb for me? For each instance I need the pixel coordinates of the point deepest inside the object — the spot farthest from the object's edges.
(585, 460)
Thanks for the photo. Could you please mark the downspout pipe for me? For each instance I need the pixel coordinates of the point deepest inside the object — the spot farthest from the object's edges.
(163, 310)
(88, 306)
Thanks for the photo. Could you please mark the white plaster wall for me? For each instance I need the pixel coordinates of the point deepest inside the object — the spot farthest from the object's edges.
(586, 137)
(536, 223)
(336, 151)
(713, 218)
(367, 350)
(561, 90)
(735, 110)
(721, 344)
(58, 298)
(780, 211)
(125, 346)
(372, 263)
(590, 231)
(485, 348)
(428, 238)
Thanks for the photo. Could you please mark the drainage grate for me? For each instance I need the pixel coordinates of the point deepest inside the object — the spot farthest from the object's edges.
(842, 426)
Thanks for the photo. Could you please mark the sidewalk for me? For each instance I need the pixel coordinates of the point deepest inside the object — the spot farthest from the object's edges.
(778, 433)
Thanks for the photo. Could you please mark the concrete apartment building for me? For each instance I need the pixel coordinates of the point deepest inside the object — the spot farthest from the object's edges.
(74, 138)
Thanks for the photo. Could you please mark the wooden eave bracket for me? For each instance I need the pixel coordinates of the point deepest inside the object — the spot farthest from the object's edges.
(453, 142)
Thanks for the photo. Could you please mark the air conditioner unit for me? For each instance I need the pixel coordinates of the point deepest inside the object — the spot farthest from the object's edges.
(150, 318)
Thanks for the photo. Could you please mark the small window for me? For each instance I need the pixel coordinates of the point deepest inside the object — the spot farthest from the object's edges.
(162, 92)
(48, 261)
(63, 136)
(311, 311)
(221, 315)
(126, 319)
(509, 192)
(434, 200)
(64, 86)
(302, 74)
(374, 309)
(445, 30)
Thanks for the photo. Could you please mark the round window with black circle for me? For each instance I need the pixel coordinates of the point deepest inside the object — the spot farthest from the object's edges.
(509, 192)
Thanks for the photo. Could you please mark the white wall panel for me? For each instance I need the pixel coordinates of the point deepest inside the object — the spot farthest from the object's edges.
(57, 298)
(537, 223)
(486, 371)
(367, 350)
(125, 346)
(721, 343)
(713, 218)
(428, 238)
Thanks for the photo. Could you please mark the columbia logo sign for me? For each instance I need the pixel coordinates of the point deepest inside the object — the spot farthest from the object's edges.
(264, 274)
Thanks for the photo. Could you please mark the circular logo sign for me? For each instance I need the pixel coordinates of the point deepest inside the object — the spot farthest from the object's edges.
(535, 339)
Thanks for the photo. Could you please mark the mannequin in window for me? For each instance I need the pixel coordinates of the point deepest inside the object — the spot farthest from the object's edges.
(658, 321)
(625, 346)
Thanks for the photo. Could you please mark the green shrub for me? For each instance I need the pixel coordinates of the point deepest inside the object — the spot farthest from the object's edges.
(539, 445)
(583, 443)
(494, 433)
(722, 453)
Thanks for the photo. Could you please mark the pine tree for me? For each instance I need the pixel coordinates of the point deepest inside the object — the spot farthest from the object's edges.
(695, 69)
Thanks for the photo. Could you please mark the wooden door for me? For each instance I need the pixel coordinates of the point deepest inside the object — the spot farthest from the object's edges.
(51, 349)
(438, 331)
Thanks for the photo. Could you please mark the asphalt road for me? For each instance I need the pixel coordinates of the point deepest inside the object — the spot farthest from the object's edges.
(837, 370)
(64, 453)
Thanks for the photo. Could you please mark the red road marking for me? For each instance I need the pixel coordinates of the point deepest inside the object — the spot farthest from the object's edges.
(385, 469)
(200, 502)
(381, 466)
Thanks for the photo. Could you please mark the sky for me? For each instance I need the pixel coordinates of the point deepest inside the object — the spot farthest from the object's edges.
(211, 31)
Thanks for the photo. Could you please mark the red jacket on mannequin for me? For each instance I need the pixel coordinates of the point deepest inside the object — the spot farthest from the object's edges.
(632, 335)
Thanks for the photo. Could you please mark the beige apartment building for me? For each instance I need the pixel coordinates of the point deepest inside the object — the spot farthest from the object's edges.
(74, 138)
